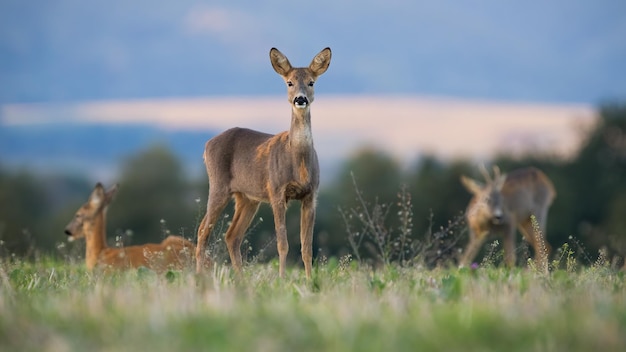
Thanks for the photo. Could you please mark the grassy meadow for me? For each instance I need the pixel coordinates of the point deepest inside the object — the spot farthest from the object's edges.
(58, 306)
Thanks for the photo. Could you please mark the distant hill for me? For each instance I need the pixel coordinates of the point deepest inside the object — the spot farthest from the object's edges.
(94, 149)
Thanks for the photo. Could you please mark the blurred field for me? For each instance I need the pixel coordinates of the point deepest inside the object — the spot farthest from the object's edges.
(53, 306)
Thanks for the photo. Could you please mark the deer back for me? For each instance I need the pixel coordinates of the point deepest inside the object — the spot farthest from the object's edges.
(233, 161)
(173, 252)
(527, 192)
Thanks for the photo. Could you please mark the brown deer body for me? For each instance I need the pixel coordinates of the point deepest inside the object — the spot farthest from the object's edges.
(254, 167)
(505, 203)
(90, 222)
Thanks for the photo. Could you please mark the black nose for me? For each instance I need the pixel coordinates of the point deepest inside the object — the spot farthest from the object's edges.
(67, 232)
(300, 100)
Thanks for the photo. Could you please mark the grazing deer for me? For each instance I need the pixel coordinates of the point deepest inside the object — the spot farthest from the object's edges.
(504, 203)
(90, 222)
(254, 167)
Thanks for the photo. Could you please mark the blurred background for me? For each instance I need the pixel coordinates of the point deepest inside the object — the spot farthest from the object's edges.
(418, 93)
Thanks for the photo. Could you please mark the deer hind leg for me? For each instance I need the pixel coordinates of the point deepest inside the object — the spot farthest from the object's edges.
(307, 220)
(215, 205)
(245, 209)
(541, 222)
(538, 241)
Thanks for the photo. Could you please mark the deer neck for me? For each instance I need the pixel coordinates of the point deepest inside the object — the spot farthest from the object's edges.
(300, 133)
(95, 240)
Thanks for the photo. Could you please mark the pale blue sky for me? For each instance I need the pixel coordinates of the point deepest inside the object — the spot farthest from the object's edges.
(558, 51)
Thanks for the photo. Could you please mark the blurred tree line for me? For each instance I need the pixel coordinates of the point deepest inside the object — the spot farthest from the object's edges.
(374, 209)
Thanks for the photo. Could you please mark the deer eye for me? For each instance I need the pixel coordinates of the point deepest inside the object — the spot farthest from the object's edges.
(289, 84)
(311, 84)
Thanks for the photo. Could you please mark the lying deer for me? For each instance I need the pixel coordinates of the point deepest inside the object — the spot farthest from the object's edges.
(504, 203)
(254, 167)
(90, 221)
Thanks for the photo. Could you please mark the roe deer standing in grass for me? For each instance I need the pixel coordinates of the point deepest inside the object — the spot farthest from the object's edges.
(90, 222)
(254, 167)
(504, 203)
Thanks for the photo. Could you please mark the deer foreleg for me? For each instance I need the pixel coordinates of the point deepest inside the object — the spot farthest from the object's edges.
(279, 208)
(472, 249)
(509, 247)
(307, 221)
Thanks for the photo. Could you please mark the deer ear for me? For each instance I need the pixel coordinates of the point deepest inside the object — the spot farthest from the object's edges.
(499, 182)
(280, 63)
(97, 196)
(111, 192)
(321, 62)
(471, 185)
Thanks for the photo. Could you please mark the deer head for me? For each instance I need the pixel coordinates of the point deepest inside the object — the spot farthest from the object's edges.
(300, 81)
(488, 203)
(83, 221)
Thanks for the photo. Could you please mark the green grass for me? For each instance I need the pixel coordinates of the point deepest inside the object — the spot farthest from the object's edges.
(48, 306)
